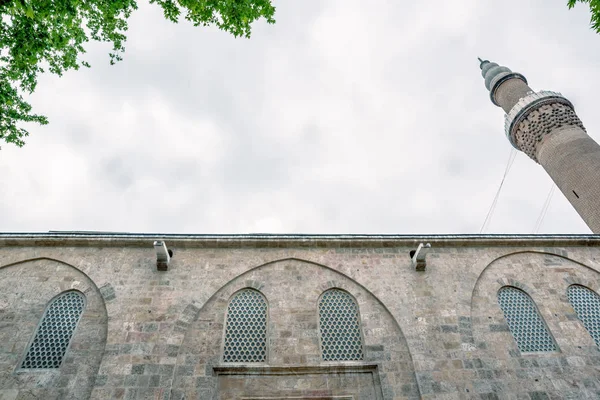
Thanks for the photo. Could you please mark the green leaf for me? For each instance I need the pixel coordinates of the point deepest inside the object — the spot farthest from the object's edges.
(29, 11)
(53, 33)
(594, 9)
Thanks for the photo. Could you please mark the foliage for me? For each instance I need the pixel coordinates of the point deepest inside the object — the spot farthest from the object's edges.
(594, 8)
(40, 35)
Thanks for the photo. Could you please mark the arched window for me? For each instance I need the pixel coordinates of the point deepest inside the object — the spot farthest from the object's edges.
(587, 306)
(339, 323)
(54, 333)
(524, 321)
(246, 328)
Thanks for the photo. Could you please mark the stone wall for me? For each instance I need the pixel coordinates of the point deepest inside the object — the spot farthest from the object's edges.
(432, 334)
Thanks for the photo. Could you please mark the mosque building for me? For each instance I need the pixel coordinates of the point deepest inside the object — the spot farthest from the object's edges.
(91, 315)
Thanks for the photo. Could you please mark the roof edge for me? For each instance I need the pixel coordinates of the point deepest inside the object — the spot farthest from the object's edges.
(114, 239)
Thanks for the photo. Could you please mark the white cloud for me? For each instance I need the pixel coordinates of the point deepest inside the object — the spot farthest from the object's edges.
(345, 116)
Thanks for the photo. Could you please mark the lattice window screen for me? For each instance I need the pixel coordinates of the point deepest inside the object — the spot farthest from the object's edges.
(246, 328)
(587, 306)
(524, 321)
(339, 323)
(55, 331)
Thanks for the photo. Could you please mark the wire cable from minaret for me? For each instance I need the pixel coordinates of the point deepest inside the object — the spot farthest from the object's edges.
(542, 215)
(509, 163)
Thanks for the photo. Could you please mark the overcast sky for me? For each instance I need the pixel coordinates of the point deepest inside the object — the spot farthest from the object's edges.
(345, 116)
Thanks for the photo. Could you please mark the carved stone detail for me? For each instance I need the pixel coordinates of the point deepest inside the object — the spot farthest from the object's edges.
(539, 122)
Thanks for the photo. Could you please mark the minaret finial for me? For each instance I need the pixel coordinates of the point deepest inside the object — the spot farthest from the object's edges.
(481, 62)
(494, 76)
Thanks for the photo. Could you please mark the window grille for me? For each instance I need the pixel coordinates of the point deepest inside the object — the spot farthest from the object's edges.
(55, 331)
(339, 323)
(246, 328)
(587, 306)
(524, 321)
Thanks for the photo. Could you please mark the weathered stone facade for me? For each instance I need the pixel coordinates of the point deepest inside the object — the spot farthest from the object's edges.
(438, 333)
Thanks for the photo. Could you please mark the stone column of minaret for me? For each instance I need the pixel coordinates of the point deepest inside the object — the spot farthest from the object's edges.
(544, 126)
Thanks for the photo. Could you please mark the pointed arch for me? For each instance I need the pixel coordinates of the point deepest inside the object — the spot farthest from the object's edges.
(486, 262)
(292, 287)
(586, 304)
(199, 304)
(524, 321)
(245, 337)
(28, 299)
(340, 326)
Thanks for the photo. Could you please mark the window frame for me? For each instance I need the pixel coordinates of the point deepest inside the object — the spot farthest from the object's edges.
(597, 342)
(360, 327)
(224, 333)
(20, 368)
(539, 314)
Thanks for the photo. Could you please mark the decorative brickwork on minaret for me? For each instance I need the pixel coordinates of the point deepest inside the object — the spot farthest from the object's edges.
(544, 126)
(538, 115)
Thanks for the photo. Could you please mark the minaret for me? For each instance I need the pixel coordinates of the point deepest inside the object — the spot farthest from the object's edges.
(544, 126)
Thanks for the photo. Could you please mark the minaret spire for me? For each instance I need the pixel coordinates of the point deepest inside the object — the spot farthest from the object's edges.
(495, 75)
(544, 126)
